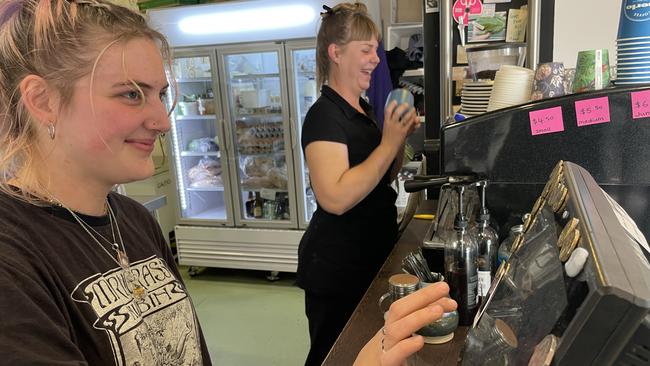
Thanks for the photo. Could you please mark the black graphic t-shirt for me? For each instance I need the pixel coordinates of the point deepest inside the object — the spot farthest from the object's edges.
(65, 301)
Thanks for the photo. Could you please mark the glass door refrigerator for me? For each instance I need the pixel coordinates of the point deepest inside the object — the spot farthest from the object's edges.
(239, 194)
(301, 65)
(244, 197)
(255, 101)
(197, 133)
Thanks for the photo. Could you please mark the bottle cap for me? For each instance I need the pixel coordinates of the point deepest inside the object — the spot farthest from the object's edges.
(460, 223)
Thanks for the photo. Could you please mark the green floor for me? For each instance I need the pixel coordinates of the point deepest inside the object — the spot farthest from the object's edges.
(248, 320)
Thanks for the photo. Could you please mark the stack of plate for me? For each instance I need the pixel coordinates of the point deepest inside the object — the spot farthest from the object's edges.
(633, 61)
(512, 86)
(475, 96)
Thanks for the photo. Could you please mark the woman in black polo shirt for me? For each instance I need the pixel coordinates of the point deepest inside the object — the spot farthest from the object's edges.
(351, 164)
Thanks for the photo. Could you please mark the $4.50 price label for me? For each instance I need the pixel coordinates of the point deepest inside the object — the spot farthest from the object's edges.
(592, 111)
(545, 121)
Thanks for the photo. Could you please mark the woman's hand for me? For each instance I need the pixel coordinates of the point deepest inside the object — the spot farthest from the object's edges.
(396, 129)
(395, 342)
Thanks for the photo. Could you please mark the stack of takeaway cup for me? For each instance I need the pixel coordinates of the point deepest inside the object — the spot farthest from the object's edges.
(475, 97)
(512, 86)
(633, 43)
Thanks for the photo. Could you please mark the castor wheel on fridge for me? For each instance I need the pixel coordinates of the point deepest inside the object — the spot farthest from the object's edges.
(193, 271)
(273, 276)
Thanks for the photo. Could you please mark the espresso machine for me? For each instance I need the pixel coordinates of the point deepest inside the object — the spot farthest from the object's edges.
(600, 316)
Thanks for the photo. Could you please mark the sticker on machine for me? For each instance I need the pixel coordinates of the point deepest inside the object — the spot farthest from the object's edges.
(545, 121)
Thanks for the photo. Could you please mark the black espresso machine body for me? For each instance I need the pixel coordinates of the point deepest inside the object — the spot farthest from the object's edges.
(501, 147)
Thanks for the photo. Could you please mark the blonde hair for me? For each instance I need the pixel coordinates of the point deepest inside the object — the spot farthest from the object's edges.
(60, 41)
(344, 23)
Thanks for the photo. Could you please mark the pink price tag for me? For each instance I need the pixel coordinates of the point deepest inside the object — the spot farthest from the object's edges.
(641, 104)
(592, 111)
(546, 121)
(462, 7)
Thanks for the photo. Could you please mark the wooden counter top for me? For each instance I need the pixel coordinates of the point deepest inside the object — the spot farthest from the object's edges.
(367, 319)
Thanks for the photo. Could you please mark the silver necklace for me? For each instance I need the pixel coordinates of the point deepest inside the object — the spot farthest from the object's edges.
(137, 290)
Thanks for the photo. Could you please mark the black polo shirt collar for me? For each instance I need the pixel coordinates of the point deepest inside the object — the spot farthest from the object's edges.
(349, 111)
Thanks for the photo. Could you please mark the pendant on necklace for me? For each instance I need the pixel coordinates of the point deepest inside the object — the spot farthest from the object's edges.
(137, 290)
(139, 293)
(123, 260)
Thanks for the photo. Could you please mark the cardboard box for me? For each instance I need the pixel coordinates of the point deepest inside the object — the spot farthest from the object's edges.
(407, 11)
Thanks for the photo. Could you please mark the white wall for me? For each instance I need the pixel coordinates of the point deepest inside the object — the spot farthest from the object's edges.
(373, 10)
(584, 25)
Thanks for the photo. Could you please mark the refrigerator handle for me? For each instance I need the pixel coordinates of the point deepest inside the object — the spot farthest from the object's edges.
(294, 136)
(222, 127)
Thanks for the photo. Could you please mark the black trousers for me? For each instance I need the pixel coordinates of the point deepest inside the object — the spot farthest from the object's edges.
(327, 316)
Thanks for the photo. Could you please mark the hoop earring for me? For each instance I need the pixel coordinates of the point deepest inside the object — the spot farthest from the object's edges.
(51, 130)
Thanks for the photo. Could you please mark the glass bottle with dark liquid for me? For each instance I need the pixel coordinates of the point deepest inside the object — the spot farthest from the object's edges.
(461, 271)
(488, 244)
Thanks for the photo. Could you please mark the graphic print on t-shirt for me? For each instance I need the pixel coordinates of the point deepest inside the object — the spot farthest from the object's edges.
(161, 330)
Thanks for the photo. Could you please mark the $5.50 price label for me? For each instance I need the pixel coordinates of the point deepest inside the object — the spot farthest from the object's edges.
(592, 111)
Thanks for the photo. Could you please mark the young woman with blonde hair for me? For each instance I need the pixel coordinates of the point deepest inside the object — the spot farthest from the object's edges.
(86, 277)
(85, 274)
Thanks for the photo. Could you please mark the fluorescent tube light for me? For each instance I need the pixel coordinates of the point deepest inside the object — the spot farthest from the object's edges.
(248, 20)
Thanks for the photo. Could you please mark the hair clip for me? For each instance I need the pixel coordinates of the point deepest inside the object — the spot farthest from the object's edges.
(328, 10)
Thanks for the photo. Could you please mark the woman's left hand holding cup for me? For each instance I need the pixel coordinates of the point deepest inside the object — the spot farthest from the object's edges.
(395, 342)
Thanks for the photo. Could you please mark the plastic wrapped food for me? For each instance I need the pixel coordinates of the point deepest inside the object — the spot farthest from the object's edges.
(257, 183)
(257, 166)
(204, 144)
(278, 178)
(207, 173)
(208, 182)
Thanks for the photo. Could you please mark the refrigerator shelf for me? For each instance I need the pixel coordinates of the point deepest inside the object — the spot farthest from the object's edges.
(254, 76)
(194, 80)
(259, 189)
(258, 115)
(274, 153)
(205, 189)
(203, 117)
(197, 153)
(210, 214)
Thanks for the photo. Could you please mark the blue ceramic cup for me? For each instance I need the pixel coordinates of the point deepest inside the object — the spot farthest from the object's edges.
(635, 19)
(441, 330)
(400, 95)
